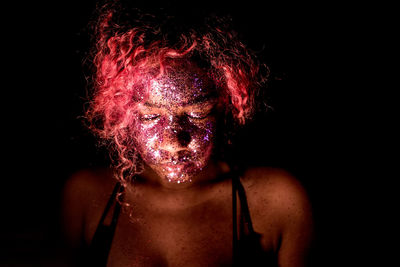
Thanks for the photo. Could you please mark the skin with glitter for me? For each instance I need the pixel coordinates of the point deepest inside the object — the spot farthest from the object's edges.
(175, 126)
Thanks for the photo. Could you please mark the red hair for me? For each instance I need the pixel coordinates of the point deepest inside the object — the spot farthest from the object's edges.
(126, 57)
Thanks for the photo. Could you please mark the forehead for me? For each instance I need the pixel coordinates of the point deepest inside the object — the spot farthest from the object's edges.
(179, 86)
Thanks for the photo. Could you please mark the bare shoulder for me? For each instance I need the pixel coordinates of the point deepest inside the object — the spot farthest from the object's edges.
(85, 194)
(88, 183)
(276, 186)
(281, 210)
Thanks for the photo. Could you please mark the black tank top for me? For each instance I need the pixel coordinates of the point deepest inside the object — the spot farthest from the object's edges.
(247, 250)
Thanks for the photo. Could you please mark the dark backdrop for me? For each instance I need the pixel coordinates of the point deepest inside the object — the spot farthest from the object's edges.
(311, 51)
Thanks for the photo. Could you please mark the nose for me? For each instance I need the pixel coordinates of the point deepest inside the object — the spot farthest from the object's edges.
(184, 138)
(176, 135)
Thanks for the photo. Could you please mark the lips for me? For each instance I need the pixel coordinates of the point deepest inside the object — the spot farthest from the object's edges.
(180, 158)
(183, 156)
(173, 167)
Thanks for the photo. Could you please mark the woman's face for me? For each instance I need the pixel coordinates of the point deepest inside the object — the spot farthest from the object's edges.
(176, 124)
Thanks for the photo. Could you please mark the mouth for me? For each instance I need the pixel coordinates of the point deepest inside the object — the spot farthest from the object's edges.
(173, 167)
(179, 159)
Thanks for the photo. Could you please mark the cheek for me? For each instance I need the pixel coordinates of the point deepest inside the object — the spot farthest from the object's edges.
(202, 137)
(148, 139)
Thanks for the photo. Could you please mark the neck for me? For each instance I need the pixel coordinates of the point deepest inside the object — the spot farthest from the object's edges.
(173, 196)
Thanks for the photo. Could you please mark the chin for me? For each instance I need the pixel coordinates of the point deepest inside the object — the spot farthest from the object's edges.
(179, 173)
(179, 178)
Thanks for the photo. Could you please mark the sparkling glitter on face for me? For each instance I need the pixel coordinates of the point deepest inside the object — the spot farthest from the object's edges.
(175, 127)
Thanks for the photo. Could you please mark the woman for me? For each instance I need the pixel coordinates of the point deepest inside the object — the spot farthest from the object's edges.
(168, 96)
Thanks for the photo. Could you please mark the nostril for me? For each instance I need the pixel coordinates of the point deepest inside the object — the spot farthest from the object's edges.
(184, 138)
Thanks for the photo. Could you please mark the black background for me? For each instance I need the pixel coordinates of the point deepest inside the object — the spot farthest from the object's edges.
(314, 51)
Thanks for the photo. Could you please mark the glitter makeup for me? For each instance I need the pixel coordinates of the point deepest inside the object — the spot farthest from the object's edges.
(175, 126)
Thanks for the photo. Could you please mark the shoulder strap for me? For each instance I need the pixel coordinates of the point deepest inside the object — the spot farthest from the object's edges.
(235, 241)
(237, 188)
(117, 189)
(244, 206)
(246, 249)
(102, 239)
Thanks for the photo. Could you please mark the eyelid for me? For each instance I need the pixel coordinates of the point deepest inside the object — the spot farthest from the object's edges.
(149, 117)
(203, 111)
(193, 115)
(199, 115)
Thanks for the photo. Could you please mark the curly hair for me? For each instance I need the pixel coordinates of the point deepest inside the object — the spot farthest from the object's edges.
(131, 45)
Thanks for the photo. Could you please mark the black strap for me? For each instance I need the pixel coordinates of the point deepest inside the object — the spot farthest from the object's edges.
(110, 202)
(246, 225)
(235, 242)
(103, 237)
(244, 207)
(117, 210)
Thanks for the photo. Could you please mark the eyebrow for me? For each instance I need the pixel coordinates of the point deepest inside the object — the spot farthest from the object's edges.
(152, 105)
(198, 101)
(205, 98)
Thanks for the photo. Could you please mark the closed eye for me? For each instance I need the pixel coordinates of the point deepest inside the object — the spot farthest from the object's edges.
(200, 111)
(198, 115)
(149, 117)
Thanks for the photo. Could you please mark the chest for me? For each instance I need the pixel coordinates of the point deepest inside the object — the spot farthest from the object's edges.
(197, 236)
